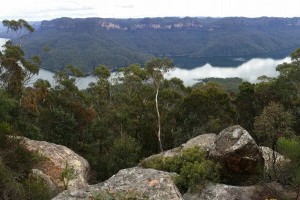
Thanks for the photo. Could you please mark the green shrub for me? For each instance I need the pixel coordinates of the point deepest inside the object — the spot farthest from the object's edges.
(15, 164)
(124, 152)
(193, 168)
(10, 188)
(37, 189)
(67, 174)
(291, 149)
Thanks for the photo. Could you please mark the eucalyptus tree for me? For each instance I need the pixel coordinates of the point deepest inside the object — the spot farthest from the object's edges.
(287, 86)
(19, 28)
(274, 122)
(156, 68)
(208, 108)
(15, 69)
(245, 105)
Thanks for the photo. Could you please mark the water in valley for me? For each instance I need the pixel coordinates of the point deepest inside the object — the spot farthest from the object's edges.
(247, 69)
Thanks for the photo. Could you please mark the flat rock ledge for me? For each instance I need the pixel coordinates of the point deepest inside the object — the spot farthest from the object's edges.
(212, 191)
(131, 183)
(204, 142)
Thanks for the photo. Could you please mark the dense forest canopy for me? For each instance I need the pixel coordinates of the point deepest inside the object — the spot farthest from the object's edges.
(116, 122)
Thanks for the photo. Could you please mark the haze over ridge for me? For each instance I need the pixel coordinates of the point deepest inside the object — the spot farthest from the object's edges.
(33, 10)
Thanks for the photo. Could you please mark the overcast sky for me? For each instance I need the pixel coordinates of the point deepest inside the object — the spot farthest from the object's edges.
(33, 10)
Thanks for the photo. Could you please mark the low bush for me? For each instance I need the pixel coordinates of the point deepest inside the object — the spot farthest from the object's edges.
(193, 168)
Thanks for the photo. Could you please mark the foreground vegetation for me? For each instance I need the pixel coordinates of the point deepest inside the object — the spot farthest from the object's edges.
(117, 121)
(193, 169)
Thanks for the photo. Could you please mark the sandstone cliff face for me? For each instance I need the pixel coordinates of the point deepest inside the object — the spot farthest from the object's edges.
(132, 183)
(56, 158)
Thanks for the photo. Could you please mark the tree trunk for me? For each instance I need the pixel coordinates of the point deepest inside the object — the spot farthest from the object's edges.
(274, 159)
(158, 120)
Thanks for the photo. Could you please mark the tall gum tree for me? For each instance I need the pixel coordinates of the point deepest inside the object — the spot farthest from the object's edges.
(156, 68)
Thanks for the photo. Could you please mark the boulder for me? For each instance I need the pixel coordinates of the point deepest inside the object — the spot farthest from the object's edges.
(55, 159)
(204, 142)
(237, 152)
(131, 183)
(280, 160)
(271, 190)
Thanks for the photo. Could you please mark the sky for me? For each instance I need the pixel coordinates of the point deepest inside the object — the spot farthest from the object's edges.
(37, 10)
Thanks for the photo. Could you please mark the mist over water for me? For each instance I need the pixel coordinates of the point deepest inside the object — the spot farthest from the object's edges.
(2, 42)
(249, 71)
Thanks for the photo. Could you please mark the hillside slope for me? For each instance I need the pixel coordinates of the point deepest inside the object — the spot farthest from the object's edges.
(86, 43)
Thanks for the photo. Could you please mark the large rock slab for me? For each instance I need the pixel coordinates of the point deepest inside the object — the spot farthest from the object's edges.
(222, 192)
(237, 152)
(131, 183)
(204, 142)
(56, 156)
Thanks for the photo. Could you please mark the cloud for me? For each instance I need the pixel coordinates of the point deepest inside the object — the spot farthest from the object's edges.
(46, 9)
(32, 9)
(125, 6)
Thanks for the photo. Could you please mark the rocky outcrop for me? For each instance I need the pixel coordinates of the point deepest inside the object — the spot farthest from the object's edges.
(204, 142)
(132, 183)
(222, 192)
(55, 159)
(234, 148)
(237, 152)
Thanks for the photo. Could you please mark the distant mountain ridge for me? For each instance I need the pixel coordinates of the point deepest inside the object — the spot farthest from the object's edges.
(168, 23)
(89, 42)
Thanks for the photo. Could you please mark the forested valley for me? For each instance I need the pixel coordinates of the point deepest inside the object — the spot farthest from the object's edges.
(119, 120)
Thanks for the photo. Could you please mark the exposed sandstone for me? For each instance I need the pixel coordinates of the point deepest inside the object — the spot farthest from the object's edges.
(271, 190)
(56, 158)
(131, 183)
(204, 142)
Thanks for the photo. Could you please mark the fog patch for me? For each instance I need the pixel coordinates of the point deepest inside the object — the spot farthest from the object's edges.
(249, 71)
(2, 43)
